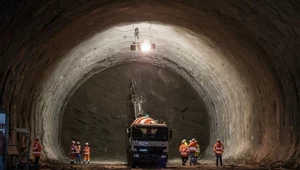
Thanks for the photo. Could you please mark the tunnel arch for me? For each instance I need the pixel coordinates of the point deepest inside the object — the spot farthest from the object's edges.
(55, 83)
(235, 30)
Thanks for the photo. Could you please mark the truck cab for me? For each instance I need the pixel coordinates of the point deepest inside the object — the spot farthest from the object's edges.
(148, 144)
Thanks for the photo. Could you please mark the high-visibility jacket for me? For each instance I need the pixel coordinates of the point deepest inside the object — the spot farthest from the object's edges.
(86, 150)
(72, 148)
(197, 151)
(186, 144)
(36, 149)
(193, 147)
(218, 148)
(184, 150)
(77, 149)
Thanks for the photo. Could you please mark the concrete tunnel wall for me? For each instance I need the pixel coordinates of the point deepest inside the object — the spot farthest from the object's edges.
(241, 57)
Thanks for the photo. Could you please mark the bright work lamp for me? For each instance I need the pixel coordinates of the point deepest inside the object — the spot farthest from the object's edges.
(144, 46)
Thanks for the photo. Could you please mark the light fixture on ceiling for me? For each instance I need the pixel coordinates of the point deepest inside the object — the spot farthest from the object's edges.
(143, 46)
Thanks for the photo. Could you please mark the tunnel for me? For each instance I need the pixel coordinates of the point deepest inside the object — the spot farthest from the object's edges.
(229, 67)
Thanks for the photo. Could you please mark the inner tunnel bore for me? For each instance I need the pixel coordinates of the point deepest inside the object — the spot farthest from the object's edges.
(99, 111)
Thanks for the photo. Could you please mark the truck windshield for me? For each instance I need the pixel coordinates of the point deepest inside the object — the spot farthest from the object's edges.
(150, 133)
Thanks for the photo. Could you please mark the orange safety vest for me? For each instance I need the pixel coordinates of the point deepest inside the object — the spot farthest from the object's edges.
(77, 149)
(218, 148)
(193, 147)
(72, 148)
(86, 150)
(184, 150)
(36, 149)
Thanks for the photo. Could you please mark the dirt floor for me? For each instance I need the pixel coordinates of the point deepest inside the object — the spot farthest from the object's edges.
(173, 164)
(122, 166)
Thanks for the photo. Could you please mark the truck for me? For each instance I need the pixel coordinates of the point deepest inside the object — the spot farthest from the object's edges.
(147, 139)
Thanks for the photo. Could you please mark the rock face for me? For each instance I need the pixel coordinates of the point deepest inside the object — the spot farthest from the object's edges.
(241, 57)
(99, 111)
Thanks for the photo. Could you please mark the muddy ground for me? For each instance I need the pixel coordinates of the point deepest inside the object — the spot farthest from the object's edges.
(171, 166)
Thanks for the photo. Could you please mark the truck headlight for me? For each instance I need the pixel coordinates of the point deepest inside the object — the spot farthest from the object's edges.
(136, 155)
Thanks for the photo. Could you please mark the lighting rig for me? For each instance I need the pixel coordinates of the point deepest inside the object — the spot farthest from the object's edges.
(143, 45)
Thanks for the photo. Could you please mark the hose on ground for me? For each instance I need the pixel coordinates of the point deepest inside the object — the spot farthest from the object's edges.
(276, 165)
(233, 166)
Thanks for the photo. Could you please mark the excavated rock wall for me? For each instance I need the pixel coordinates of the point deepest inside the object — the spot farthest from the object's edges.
(100, 110)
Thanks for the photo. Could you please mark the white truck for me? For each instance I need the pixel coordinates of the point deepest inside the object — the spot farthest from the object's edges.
(147, 140)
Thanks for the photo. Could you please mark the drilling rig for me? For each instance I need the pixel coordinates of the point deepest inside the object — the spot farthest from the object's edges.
(147, 139)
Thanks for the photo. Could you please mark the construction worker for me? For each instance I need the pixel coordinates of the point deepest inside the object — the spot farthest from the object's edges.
(197, 154)
(72, 148)
(192, 148)
(87, 151)
(184, 151)
(36, 151)
(218, 150)
(78, 153)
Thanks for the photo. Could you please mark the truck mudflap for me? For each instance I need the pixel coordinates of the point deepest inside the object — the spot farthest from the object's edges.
(139, 159)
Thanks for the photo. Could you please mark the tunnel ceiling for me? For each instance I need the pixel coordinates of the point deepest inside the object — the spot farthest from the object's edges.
(240, 56)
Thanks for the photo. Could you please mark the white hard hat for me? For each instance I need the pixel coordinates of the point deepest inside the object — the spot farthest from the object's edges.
(218, 140)
(190, 141)
(183, 140)
(78, 143)
(193, 140)
(73, 142)
(87, 143)
(37, 138)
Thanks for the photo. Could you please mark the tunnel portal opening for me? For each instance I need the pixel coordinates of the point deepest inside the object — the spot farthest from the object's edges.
(99, 111)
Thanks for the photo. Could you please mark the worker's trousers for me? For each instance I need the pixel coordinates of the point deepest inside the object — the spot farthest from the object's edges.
(192, 158)
(72, 157)
(36, 160)
(78, 158)
(184, 159)
(36, 163)
(217, 160)
(86, 158)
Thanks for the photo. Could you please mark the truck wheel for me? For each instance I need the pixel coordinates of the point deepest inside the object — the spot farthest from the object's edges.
(132, 164)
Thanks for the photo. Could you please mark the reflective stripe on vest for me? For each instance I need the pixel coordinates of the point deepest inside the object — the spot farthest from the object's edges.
(184, 153)
(193, 148)
(87, 150)
(36, 149)
(219, 150)
(72, 148)
(77, 149)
